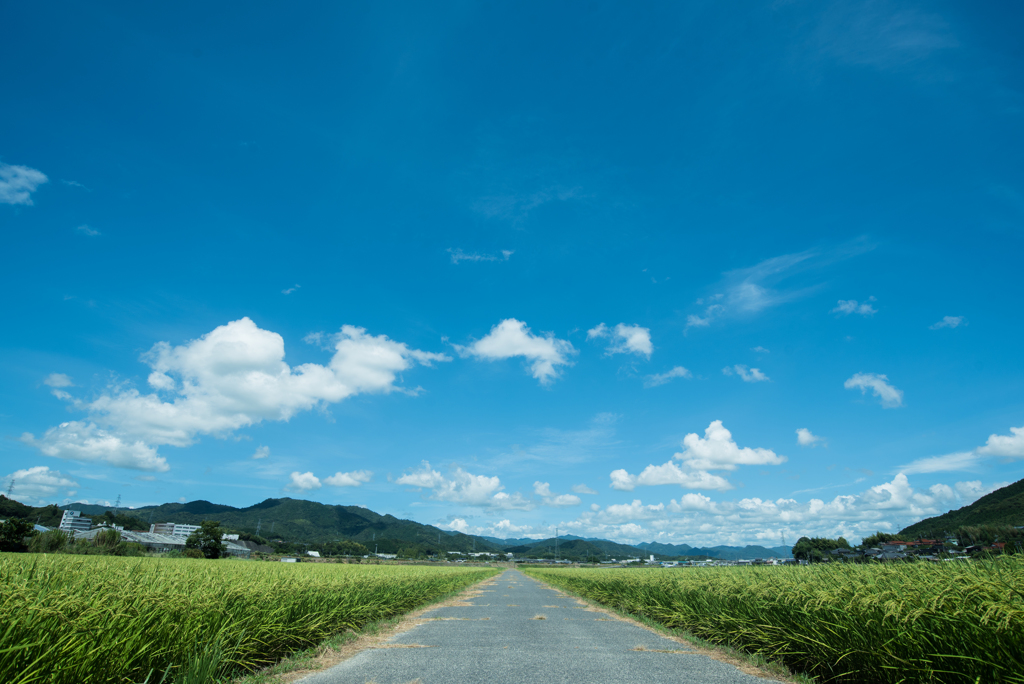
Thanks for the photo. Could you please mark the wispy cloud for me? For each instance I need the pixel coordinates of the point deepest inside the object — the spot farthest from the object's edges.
(17, 183)
(75, 184)
(457, 255)
(291, 289)
(86, 230)
(751, 375)
(770, 283)
(667, 377)
(845, 307)
(888, 395)
(625, 339)
(882, 35)
(805, 437)
(948, 322)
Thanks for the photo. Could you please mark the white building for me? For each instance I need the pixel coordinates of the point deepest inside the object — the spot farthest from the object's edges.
(72, 521)
(173, 529)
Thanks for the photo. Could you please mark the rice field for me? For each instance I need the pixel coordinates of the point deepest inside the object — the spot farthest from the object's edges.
(921, 622)
(79, 619)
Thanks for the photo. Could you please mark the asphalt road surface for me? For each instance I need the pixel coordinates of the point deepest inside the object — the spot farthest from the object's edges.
(500, 639)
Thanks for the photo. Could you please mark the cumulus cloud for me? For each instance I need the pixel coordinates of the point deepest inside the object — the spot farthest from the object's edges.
(718, 451)
(697, 519)
(667, 377)
(948, 322)
(458, 255)
(465, 488)
(804, 437)
(851, 306)
(503, 529)
(669, 474)
(543, 490)
(625, 339)
(39, 485)
(512, 338)
(230, 378)
(1007, 446)
(57, 380)
(261, 452)
(17, 183)
(583, 489)
(352, 479)
(715, 451)
(751, 375)
(303, 482)
(889, 396)
(85, 441)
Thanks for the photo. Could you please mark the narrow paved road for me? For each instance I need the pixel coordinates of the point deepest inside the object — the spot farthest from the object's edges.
(498, 637)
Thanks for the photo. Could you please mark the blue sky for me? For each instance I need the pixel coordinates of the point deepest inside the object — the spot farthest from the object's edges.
(696, 273)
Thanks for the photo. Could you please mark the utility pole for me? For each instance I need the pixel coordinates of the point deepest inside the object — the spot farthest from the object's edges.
(556, 544)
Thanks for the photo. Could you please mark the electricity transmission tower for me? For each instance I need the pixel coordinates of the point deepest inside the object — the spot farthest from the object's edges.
(10, 488)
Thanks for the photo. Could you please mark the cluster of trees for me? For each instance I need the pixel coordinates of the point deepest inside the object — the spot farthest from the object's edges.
(817, 548)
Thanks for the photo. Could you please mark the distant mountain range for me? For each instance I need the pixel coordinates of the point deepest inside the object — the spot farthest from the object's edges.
(311, 522)
(1004, 506)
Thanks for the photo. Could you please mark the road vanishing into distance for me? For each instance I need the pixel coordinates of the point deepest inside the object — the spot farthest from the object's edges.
(516, 630)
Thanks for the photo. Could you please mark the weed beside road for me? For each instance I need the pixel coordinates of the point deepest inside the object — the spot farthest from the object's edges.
(945, 622)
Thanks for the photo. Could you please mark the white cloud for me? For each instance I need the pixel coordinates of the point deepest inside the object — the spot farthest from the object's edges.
(751, 375)
(770, 283)
(232, 377)
(850, 306)
(760, 350)
(696, 519)
(458, 255)
(17, 183)
(289, 290)
(715, 451)
(303, 482)
(1000, 446)
(512, 338)
(91, 232)
(464, 488)
(543, 490)
(261, 452)
(937, 464)
(948, 322)
(625, 339)
(583, 489)
(889, 396)
(1007, 446)
(82, 441)
(352, 479)
(804, 437)
(57, 380)
(667, 377)
(39, 485)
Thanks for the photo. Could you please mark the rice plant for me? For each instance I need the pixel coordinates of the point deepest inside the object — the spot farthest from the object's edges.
(80, 619)
(922, 622)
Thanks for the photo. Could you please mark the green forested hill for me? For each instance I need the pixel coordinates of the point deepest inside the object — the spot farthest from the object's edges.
(309, 521)
(1000, 508)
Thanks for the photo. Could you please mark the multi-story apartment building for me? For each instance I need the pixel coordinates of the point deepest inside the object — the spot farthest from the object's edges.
(72, 521)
